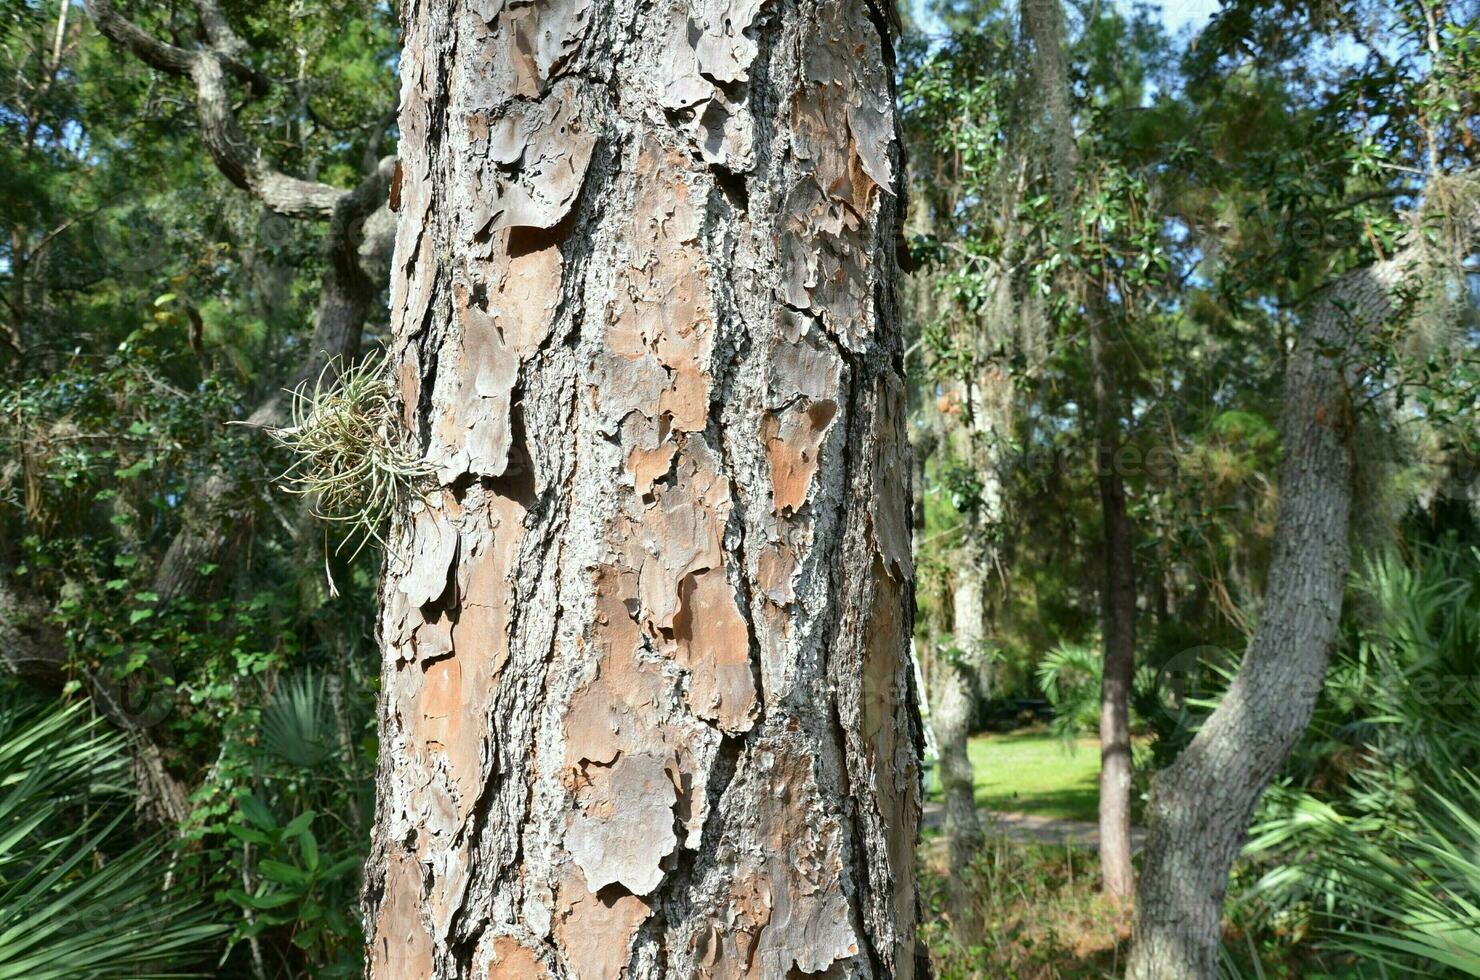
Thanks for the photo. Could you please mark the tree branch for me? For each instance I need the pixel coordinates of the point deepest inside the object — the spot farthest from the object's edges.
(215, 514)
(218, 30)
(236, 157)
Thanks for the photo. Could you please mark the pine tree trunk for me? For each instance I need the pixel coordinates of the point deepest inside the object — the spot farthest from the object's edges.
(646, 705)
(1043, 24)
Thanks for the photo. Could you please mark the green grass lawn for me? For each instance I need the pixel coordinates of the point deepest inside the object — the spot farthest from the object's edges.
(1034, 772)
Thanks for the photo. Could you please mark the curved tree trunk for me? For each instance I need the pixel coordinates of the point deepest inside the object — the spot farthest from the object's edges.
(646, 706)
(1201, 805)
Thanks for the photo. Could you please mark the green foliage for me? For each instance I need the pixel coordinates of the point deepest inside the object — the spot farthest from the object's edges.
(1374, 834)
(282, 820)
(77, 900)
(145, 302)
(1400, 889)
(298, 724)
(1070, 677)
(298, 889)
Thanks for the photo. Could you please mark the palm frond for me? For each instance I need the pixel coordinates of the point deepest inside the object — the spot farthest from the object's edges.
(74, 903)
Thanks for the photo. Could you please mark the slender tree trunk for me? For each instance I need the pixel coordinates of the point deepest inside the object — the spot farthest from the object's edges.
(951, 714)
(1043, 24)
(646, 706)
(1118, 618)
(950, 687)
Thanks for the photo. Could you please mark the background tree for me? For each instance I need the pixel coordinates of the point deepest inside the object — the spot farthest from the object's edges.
(144, 560)
(1202, 804)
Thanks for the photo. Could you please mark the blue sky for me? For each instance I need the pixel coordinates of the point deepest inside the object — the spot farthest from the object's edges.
(1177, 14)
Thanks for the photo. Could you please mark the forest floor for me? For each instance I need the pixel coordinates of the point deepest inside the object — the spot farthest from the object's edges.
(1031, 828)
(1035, 909)
(1033, 912)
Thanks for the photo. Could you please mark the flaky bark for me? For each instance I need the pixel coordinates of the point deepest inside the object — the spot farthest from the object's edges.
(646, 709)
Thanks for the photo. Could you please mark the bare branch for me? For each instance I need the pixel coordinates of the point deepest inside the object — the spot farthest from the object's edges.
(145, 46)
(219, 31)
(214, 515)
(236, 157)
(241, 162)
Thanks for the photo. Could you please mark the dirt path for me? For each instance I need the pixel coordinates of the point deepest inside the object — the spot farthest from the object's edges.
(1033, 828)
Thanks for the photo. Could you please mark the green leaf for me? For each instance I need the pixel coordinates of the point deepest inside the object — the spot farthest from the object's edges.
(304, 938)
(298, 825)
(256, 811)
(274, 900)
(283, 874)
(248, 835)
(309, 845)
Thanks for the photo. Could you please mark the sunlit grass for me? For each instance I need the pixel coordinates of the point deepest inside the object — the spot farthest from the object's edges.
(1034, 772)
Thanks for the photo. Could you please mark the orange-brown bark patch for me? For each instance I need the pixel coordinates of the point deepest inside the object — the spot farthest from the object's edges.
(614, 710)
(713, 642)
(890, 757)
(648, 465)
(799, 876)
(663, 304)
(595, 931)
(402, 946)
(793, 439)
(681, 532)
(623, 824)
(514, 961)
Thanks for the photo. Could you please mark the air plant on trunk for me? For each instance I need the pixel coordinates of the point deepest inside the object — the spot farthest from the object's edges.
(350, 459)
